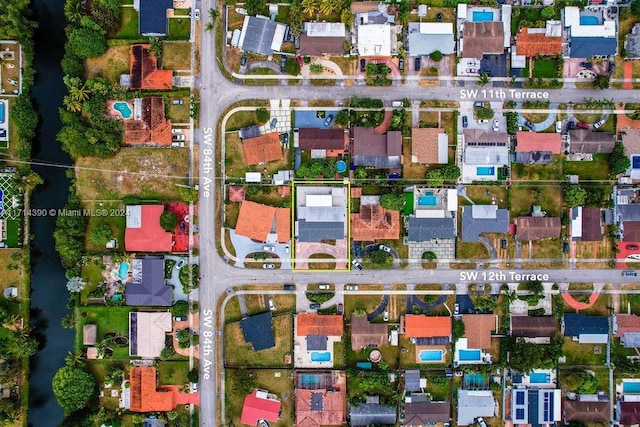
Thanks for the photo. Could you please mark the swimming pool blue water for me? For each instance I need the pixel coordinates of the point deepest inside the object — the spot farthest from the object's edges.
(485, 170)
(589, 20)
(123, 270)
(427, 200)
(1, 112)
(631, 387)
(309, 380)
(480, 16)
(539, 378)
(474, 380)
(341, 166)
(320, 356)
(431, 355)
(470, 355)
(122, 108)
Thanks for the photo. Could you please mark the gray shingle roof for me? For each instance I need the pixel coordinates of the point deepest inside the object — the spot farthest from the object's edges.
(587, 47)
(412, 380)
(472, 227)
(259, 35)
(423, 229)
(371, 413)
(257, 331)
(316, 231)
(421, 413)
(473, 404)
(317, 342)
(424, 43)
(150, 288)
(576, 324)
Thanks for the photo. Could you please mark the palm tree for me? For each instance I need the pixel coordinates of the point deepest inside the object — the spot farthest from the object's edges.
(214, 14)
(71, 104)
(208, 27)
(74, 359)
(69, 321)
(74, 11)
(309, 7)
(483, 79)
(79, 93)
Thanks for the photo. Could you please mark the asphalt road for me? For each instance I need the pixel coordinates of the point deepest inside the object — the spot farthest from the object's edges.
(217, 94)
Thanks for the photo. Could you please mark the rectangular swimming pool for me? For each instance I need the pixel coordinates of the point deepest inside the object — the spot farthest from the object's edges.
(321, 356)
(485, 170)
(309, 381)
(482, 16)
(474, 380)
(589, 20)
(539, 378)
(431, 355)
(428, 201)
(470, 355)
(2, 111)
(631, 387)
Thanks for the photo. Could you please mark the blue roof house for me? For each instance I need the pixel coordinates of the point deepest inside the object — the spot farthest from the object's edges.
(586, 329)
(152, 17)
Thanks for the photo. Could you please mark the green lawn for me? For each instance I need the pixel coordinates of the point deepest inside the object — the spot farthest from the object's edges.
(438, 392)
(597, 169)
(583, 354)
(367, 303)
(179, 28)
(178, 113)
(108, 319)
(176, 56)
(549, 197)
(117, 223)
(545, 67)
(173, 373)
(128, 24)
(239, 353)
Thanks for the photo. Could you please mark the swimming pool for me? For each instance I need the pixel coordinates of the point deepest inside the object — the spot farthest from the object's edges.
(1, 111)
(539, 378)
(321, 356)
(631, 387)
(428, 201)
(485, 170)
(123, 270)
(589, 20)
(431, 355)
(341, 166)
(474, 380)
(469, 355)
(309, 381)
(482, 16)
(122, 108)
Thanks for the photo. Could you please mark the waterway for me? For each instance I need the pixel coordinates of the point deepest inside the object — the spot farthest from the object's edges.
(49, 295)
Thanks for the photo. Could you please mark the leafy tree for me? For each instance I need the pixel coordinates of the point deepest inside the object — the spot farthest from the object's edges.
(429, 255)
(404, 7)
(436, 56)
(137, 419)
(172, 415)
(244, 381)
(601, 81)
(392, 201)
(106, 13)
(483, 79)
(74, 359)
(21, 345)
(69, 236)
(180, 308)
(168, 220)
(574, 195)
(485, 303)
(167, 352)
(342, 118)
(379, 257)
(589, 384)
(255, 7)
(360, 173)
(193, 375)
(310, 7)
(101, 234)
(69, 321)
(183, 335)
(484, 113)
(316, 68)
(188, 194)
(73, 388)
(547, 12)
(618, 160)
(295, 17)
(292, 67)
(74, 11)
(434, 178)
(262, 115)
(458, 329)
(87, 43)
(346, 17)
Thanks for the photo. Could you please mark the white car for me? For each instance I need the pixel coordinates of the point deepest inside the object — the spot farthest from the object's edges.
(634, 256)
(496, 125)
(272, 305)
(286, 249)
(181, 263)
(196, 14)
(456, 309)
(176, 131)
(323, 287)
(352, 288)
(241, 11)
(268, 266)
(268, 248)
(385, 248)
(385, 316)
(558, 126)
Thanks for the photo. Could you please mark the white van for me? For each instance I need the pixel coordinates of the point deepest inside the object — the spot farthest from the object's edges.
(397, 104)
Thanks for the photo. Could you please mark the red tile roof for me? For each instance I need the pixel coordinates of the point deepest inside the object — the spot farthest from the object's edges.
(256, 221)
(374, 222)
(144, 395)
(236, 193)
(478, 329)
(316, 324)
(152, 128)
(259, 408)
(150, 237)
(627, 323)
(262, 149)
(421, 326)
(532, 44)
(332, 412)
(532, 141)
(144, 70)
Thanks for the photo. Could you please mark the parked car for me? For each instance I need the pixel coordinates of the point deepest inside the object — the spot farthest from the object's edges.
(268, 266)
(634, 256)
(177, 144)
(385, 248)
(299, 60)
(471, 71)
(599, 123)
(176, 131)
(286, 249)
(328, 120)
(272, 305)
(177, 101)
(283, 63)
(611, 66)
(401, 65)
(478, 105)
(629, 273)
(385, 316)
(314, 306)
(465, 121)
(263, 423)
(397, 104)
(268, 248)
(632, 247)
(416, 63)
(241, 11)
(503, 244)
(179, 137)
(528, 124)
(456, 309)
(587, 65)
(179, 318)
(285, 138)
(273, 122)
(558, 126)
(243, 60)
(340, 308)
(357, 249)
(196, 14)
(582, 125)
(571, 125)
(323, 287)
(352, 287)
(194, 387)
(182, 225)
(289, 287)
(481, 422)
(363, 65)
(181, 263)
(356, 264)
(565, 248)
(496, 125)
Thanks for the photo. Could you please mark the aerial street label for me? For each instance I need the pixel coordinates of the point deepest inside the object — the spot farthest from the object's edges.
(207, 162)
(503, 94)
(502, 276)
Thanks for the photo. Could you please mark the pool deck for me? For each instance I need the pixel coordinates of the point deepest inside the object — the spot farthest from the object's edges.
(302, 356)
(420, 348)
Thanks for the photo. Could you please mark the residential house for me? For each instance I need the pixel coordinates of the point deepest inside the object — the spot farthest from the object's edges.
(89, 334)
(260, 405)
(627, 214)
(593, 408)
(383, 151)
(434, 330)
(264, 223)
(262, 149)
(627, 328)
(143, 232)
(535, 406)
(375, 32)
(321, 213)
(538, 330)
(583, 141)
(412, 381)
(323, 143)
(478, 329)
(258, 331)
(630, 138)
(149, 287)
(314, 338)
(533, 147)
(374, 222)
(148, 126)
(632, 43)
(628, 413)
(485, 154)
(427, 37)
(152, 17)
(429, 146)
(365, 334)
(320, 398)
(546, 41)
(480, 38)
(586, 329)
(261, 35)
(473, 404)
(144, 395)
(480, 219)
(586, 224)
(420, 412)
(144, 72)
(372, 412)
(147, 332)
(531, 228)
(591, 32)
(322, 38)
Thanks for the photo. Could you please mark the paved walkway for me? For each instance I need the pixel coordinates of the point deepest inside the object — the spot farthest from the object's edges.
(628, 75)
(577, 305)
(382, 127)
(330, 65)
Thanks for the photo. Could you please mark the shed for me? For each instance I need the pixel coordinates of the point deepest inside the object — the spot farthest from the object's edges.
(89, 334)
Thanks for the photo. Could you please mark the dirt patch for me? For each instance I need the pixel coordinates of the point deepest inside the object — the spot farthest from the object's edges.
(110, 65)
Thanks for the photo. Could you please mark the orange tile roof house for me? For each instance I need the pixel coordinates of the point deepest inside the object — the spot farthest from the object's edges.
(152, 128)
(536, 41)
(538, 227)
(374, 222)
(257, 222)
(421, 326)
(478, 329)
(429, 145)
(364, 334)
(315, 408)
(262, 149)
(482, 37)
(145, 397)
(533, 141)
(143, 232)
(144, 72)
(316, 324)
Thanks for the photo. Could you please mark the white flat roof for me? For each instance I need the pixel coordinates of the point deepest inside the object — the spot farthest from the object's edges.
(134, 216)
(436, 28)
(278, 37)
(374, 40)
(324, 29)
(318, 200)
(452, 199)
(462, 11)
(572, 19)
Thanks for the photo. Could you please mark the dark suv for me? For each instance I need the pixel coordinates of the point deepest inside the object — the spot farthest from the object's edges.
(416, 63)
(283, 63)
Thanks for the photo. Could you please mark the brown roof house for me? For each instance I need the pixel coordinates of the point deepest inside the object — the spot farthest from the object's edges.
(479, 38)
(377, 151)
(586, 224)
(540, 41)
(583, 141)
(627, 328)
(374, 222)
(419, 411)
(264, 223)
(538, 330)
(320, 398)
(478, 329)
(537, 227)
(150, 127)
(323, 142)
(322, 38)
(629, 413)
(587, 409)
(144, 72)
(262, 149)
(365, 334)
(429, 146)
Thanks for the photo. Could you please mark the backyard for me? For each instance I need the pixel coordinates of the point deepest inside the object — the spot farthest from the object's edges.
(239, 353)
(548, 197)
(584, 354)
(596, 169)
(110, 65)
(179, 28)
(107, 320)
(117, 223)
(236, 166)
(128, 25)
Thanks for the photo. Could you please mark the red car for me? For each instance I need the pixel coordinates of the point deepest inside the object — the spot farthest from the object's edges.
(299, 60)
(582, 125)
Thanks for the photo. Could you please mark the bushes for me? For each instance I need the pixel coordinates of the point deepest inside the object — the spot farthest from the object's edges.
(392, 201)
(436, 56)
(262, 115)
(180, 308)
(87, 42)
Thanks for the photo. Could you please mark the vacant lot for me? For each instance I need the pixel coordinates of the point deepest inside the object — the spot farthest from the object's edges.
(584, 354)
(597, 169)
(148, 173)
(240, 353)
(548, 197)
(546, 68)
(110, 65)
(117, 223)
(176, 56)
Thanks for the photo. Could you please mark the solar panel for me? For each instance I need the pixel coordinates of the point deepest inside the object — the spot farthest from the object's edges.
(520, 398)
(317, 400)
(519, 414)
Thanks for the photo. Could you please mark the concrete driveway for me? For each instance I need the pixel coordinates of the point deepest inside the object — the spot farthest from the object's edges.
(538, 127)
(339, 251)
(244, 246)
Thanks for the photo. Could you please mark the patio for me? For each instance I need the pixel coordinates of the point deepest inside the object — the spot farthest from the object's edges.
(10, 73)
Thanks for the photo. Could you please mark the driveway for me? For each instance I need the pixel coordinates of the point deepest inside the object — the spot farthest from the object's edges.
(543, 125)
(339, 251)
(244, 246)
(496, 64)
(381, 308)
(414, 300)
(308, 119)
